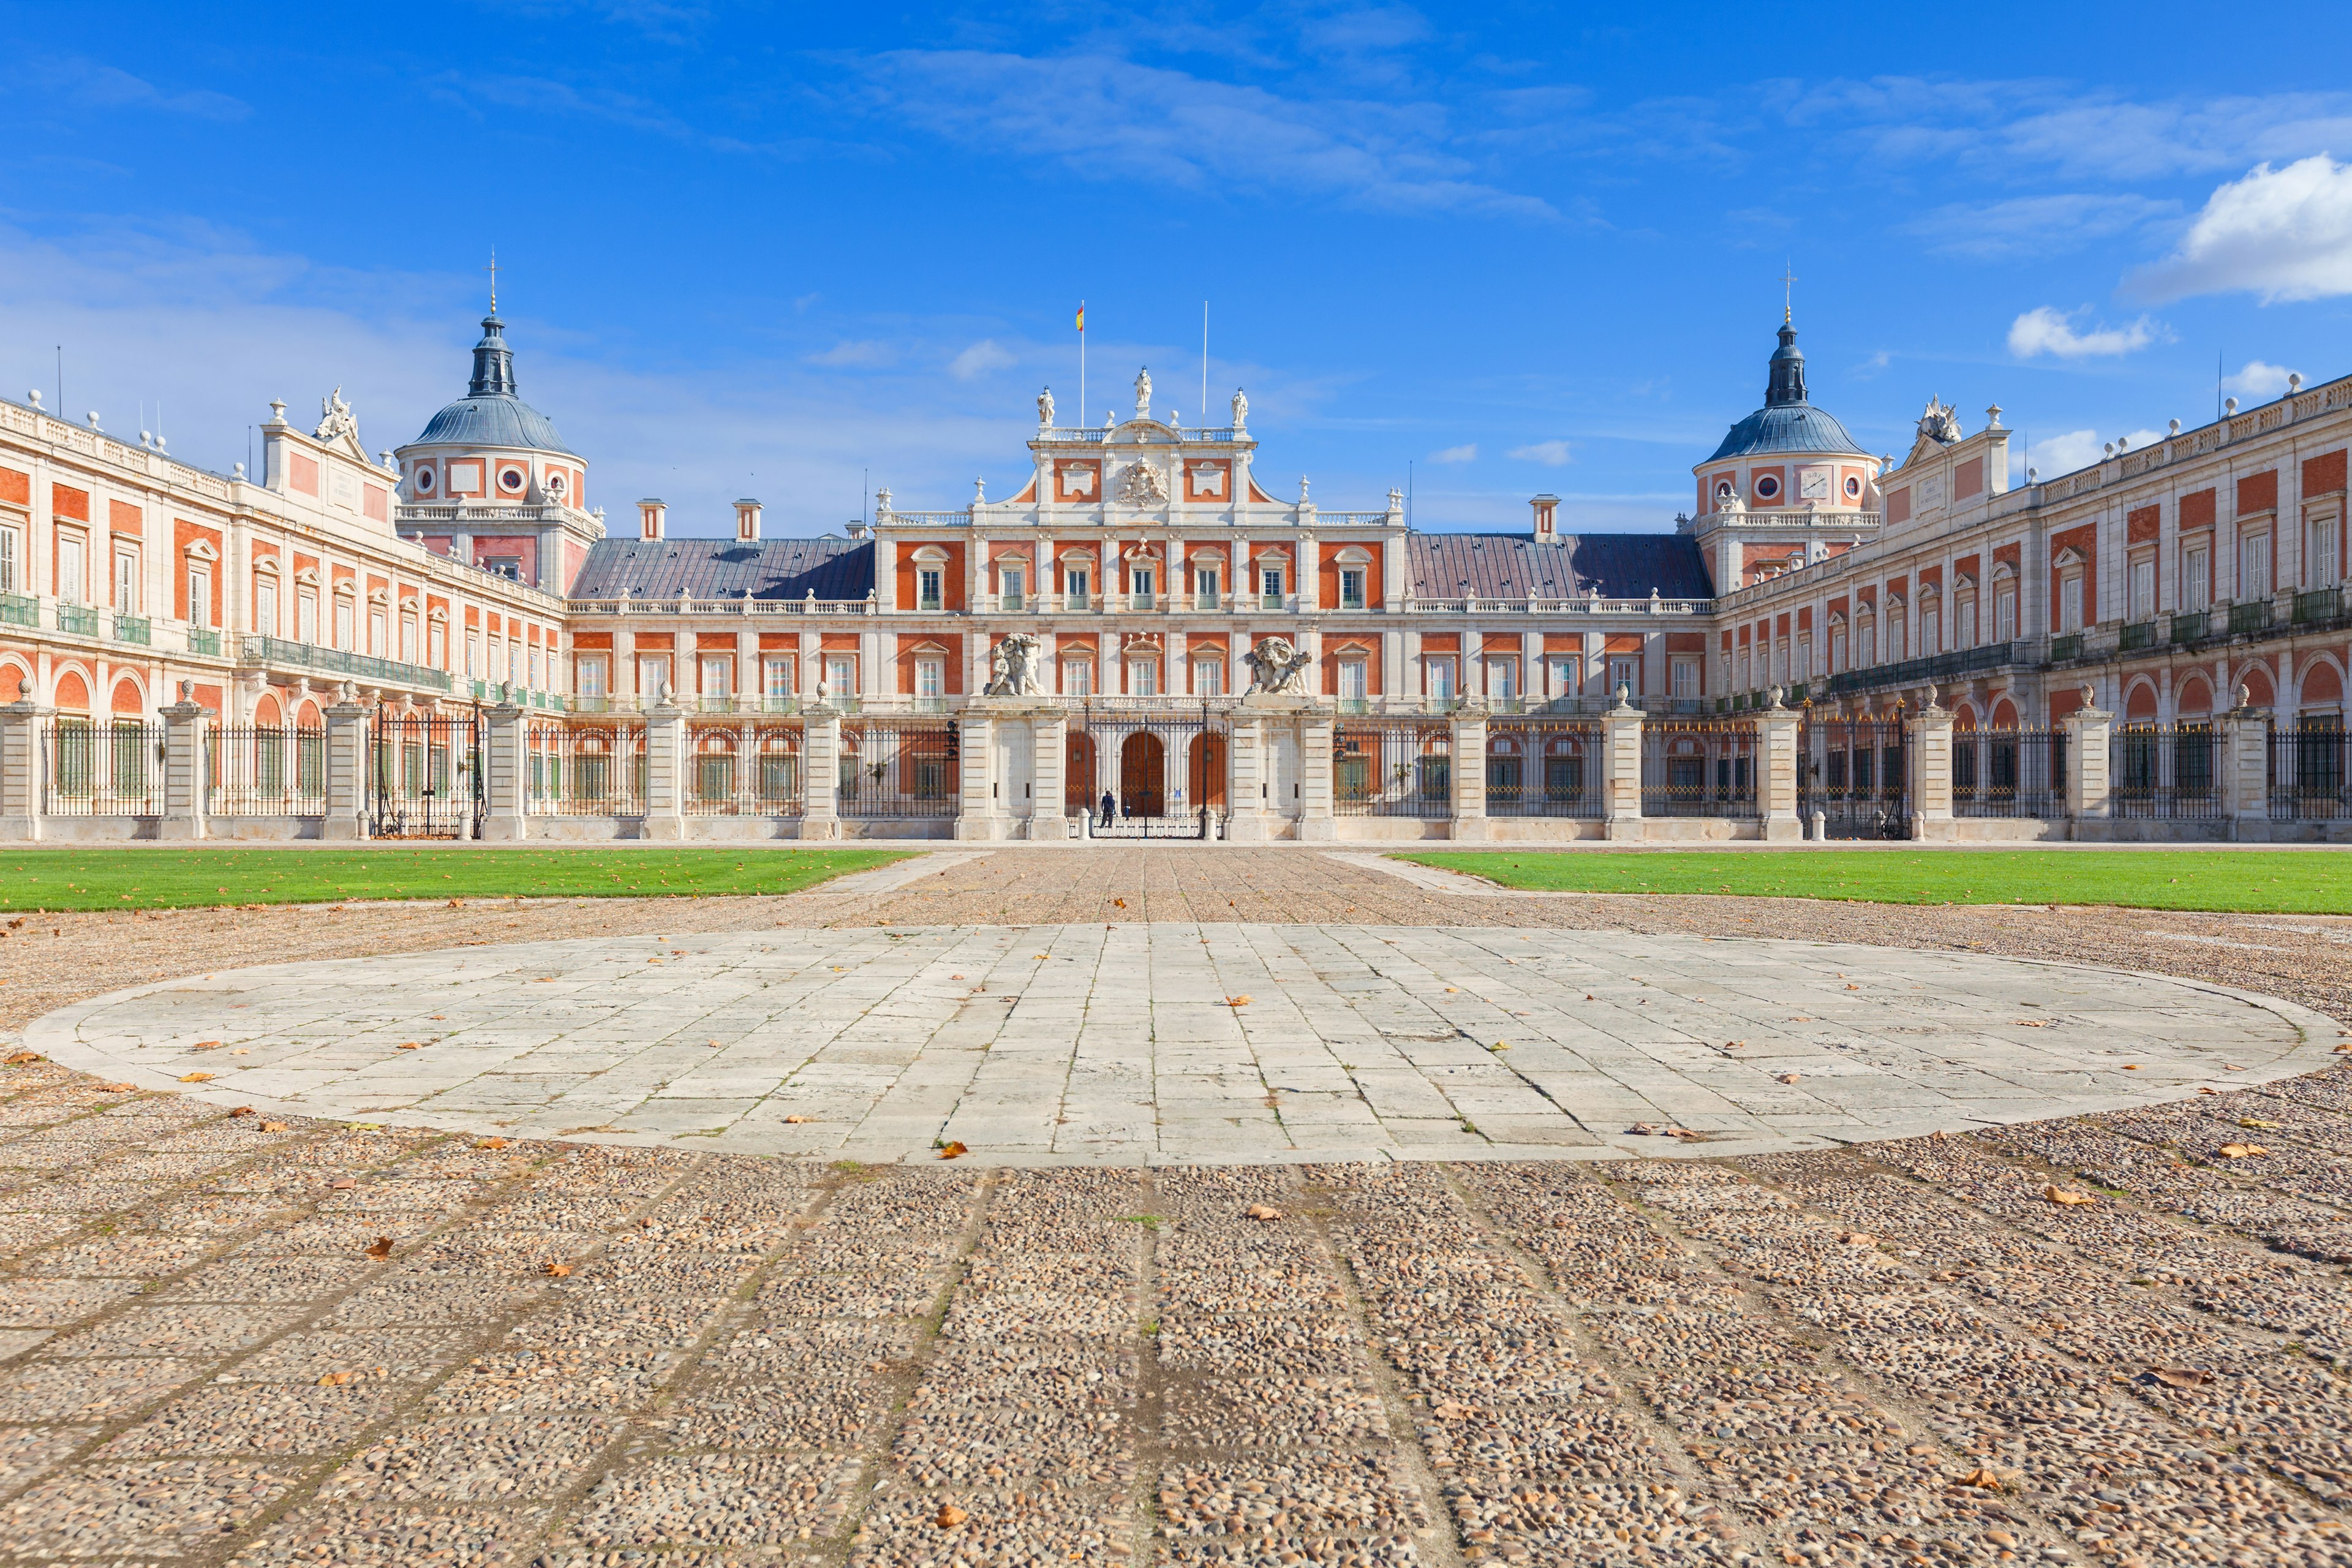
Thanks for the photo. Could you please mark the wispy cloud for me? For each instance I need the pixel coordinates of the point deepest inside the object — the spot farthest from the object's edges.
(2035, 226)
(2046, 329)
(1468, 453)
(1105, 117)
(1551, 454)
(2280, 234)
(857, 353)
(95, 86)
(979, 360)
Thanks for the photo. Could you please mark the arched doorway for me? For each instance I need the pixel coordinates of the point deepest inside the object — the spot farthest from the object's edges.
(1078, 773)
(1143, 775)
(1208, 770)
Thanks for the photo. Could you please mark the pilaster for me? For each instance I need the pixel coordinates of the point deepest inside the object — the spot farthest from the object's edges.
(506, 783)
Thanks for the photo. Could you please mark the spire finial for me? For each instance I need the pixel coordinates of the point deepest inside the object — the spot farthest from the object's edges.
(1788, 295)
(493, 271)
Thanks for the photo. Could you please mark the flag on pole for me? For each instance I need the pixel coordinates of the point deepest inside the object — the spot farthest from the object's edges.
(1082, 318)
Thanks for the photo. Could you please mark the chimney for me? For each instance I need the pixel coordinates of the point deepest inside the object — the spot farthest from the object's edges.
(859, 528)
(1547, 529)
(746, 520)
(652, 512)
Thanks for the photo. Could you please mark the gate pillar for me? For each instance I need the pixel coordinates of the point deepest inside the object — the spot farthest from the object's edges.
(1776, 771)
(2088, 730)
(20, 765)
(820, 771)
(1253, 779)
(1621, 769)
(1469, 771)
(1049, 732)
(506, 781)
(665, 771)
(1931, 771)
(347, 769)
(187, 794)
(976, 805)
(2248, 761)
(1315, 819)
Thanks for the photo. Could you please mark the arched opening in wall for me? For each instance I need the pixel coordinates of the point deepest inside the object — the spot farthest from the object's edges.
(15, 683)
(266, 713)
(2139, 708)
(2323, 688)
(309, 718)
(1964, 715)
(2194, 700)
(779, 778)
(1078, 773)
(73, 692)
(1208, 770)
(2004, 715)
(2260, 691)
(714, 768)
(128, 703)
(1143, 775)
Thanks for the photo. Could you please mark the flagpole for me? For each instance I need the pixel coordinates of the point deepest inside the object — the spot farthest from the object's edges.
(1083, 416)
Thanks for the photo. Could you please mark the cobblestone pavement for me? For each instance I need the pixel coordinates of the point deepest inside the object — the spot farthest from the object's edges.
(2112, 1338)
(1175, 1043)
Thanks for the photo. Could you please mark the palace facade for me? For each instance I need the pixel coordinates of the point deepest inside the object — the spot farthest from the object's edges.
(995, 670)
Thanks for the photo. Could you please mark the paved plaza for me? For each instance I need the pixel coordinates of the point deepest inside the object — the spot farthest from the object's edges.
(2100, 1318)
(1178, 1043)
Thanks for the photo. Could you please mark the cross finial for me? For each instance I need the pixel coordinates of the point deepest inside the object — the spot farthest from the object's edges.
(493, 271)
(1788, 295)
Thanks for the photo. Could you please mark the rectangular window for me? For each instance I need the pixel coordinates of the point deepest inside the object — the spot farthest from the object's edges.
(1898, 627)
(1837, 649)
(1012, 587)
(841, 675)
(1354, 678)
(1865, 652)
(1078, 678)
(1437, 678)
(1740, 682)
(2070, 603)
(200, 596)
(2143, 589)
(718, 676)
(652, 670)
(1209, 678)
(73, 558)
(1269, 586)
(375, 633)
(1143, 678)
(126, 578)
(1625, 671)
(589, 678)
(2196, 578)
(2004, 615)
(930, 588)
(265, 605)
(776, 680)
(306, 620)
(1206, 584)
(1351, 588)
(1964, 622)
(436, 646)
(408, 639)
(1803, 667)
(1931, 633)
(1503, 677)
(1078, 584)
(1685, 679)
(931, 677)
(1142, 583)
(1567, 676)
(2254, 583)
(344, 624)
(2322, 571)
(535, 668)
(11, 551)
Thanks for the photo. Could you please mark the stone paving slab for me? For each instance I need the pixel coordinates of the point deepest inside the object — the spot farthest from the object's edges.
(1172, 1043)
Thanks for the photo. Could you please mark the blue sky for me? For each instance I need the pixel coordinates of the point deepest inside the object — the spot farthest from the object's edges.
(768, 250)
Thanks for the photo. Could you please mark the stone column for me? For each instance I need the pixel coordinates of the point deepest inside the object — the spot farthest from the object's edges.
(976, 806)
(1315, 819)
(1049, 730)
(506, 773)
(1776, 771)
(1621, 769)
(2087, 731)
(187, 792)
(1468, 767)
(1930, 761)
(819, 773)
(665, 771)
(22, 723)
(348, 769)
(2247, 730)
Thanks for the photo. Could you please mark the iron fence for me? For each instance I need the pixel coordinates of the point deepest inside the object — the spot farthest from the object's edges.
(1852, 773)
(1540, 766)
(589, 770)
(266, 770)
(2009, 772)
(1147, 770)
(1698, 767)
(2166, 772)
(896, 769)
(2311, 771)
(424, 776)
(1392, 767)
(752, 772)
(103, 768)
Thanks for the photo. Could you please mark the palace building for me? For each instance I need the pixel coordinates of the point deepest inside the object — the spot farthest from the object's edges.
(1145, 637)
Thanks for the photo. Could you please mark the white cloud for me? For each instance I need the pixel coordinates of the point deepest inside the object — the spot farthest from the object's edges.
(2054, 455)
(2282, 234)
(1462, 454)
(864, 353)
(2259, 380)
(1550, 453)
(2045, 330)
(979, 360)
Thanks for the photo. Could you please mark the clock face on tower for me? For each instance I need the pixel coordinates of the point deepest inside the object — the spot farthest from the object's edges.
(1813, 484)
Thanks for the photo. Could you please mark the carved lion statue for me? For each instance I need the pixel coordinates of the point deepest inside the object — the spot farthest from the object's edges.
(1277, 669)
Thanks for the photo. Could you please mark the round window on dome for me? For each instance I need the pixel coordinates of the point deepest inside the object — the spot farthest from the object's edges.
(1768, 487)
(509, 479)
(425, 479)
(555, 484)
(1853, 487)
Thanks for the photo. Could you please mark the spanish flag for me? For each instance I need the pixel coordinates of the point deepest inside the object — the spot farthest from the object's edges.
(1082, 316)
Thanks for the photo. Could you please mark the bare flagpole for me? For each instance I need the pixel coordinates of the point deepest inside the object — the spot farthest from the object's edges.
(1204, 362)
(1081, 420)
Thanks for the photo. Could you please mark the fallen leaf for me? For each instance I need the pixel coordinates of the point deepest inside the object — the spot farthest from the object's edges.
(206, 1046)
(1851, 987)
(1589, 996)
(490, 1143)
(2202, 1089)
(121, 1087)
(242, 1051)
(1735, 1045)
(337, 1379)
(18, 1058)
(242, 1110)
(273, 1127)
(1452, 989)
(951, 1516)
(1859, 1238)
(2345, 1050)
(2068, 1196)
(953, 1151)
(411, 1046)
(1262, 1212)
(1801, 1020)
(1644, 1129)
(195, 1077)
(1788, 1077)
(380, 1248)
(1501, 1046)
(2241, 1150)
(2131, 1066)
(1984, 1479)
(2180, 1376)
(555, 1270)
(2032, 1023)
(1120, 903)
(342, 1183)
(796, 1119)
(1685, 1133)
(1237, 1001)
(2258, 1124)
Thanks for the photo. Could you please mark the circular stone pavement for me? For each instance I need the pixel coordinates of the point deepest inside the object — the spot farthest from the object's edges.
(1179, 1043)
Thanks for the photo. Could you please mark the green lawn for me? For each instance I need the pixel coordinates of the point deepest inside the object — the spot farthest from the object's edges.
(112, 878)
(2253, 881)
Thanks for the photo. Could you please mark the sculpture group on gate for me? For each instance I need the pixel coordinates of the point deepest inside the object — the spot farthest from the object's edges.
(1276, 668)
(1013, 669)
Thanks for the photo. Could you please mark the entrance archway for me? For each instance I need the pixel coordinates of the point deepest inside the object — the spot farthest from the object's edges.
(1208, 771)
(1143, 775)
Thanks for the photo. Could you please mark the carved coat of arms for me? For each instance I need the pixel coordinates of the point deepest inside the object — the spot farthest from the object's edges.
(1139, 484)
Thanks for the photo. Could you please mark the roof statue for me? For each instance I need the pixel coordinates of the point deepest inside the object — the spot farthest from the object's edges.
(1241, 409)
(1045, 407)
(336, 419)
(1940, 423)
(1143, 393)
(1276, 668)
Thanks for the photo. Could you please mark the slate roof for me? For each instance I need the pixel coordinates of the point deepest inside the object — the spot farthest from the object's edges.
(494, 421)
(1791, 427)
(723, 568)
(1514, 566)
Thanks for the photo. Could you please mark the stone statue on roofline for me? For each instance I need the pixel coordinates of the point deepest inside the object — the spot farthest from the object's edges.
(1143, 393)
(1241, 409)
(1045, 407)
(1940, 423)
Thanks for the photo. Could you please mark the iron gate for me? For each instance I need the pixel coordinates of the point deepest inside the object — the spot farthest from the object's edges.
(1147, 773)
(424, 776)
(1851, 774)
